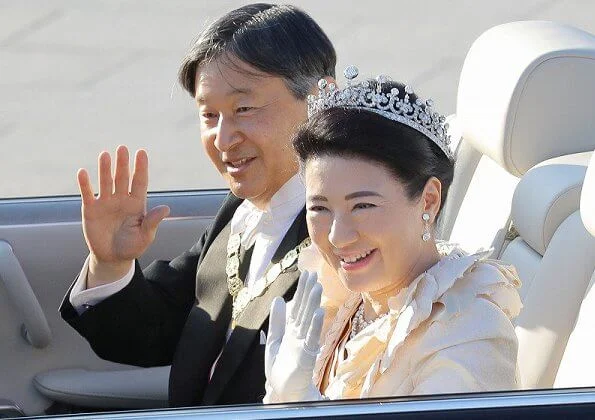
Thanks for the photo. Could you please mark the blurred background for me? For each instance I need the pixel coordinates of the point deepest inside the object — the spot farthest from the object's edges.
(79, 77)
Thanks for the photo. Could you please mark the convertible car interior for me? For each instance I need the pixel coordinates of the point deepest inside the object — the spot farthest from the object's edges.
(523, 186)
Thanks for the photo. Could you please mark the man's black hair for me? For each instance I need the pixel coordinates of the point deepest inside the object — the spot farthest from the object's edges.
(280, 40)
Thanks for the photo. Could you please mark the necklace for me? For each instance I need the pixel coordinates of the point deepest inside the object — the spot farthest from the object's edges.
(358, 323)
(243, 295)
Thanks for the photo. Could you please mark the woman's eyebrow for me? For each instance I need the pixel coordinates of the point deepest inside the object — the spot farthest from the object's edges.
(317, 198)
(359, 194)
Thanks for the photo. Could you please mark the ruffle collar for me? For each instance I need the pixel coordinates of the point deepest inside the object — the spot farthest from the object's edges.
(411, 307)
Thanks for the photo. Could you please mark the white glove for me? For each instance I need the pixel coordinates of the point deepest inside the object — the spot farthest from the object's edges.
(293, 344)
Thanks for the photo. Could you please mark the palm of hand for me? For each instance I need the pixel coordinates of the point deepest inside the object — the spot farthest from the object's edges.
(113, 228)
(292, 344)
(115, 223)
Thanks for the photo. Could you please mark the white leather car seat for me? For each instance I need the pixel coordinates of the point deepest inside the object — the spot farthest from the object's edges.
(588, 198)
(516, 107)
(525, 100)
(555, 258)
(577, 368)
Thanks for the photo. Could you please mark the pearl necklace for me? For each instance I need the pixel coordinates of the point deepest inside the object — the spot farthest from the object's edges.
(358, 322)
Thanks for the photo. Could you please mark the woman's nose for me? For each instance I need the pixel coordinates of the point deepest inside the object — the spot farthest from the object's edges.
(342, 233)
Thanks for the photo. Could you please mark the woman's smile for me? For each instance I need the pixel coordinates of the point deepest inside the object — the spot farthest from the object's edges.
(354, 262)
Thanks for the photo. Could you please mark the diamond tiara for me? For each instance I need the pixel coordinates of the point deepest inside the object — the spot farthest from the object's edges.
(368, 95)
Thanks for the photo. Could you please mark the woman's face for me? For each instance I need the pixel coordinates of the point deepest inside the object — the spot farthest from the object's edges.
(362, 221)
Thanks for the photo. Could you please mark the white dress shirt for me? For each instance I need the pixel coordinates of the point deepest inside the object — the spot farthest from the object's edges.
(263, 229)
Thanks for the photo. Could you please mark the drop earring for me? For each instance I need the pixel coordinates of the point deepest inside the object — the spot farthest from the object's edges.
(426, 235)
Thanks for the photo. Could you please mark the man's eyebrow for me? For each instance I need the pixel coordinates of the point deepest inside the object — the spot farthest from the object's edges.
(200, 99)
(359, 194)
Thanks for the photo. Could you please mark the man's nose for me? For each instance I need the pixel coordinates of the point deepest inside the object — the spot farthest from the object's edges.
(342, 232)
(227, 135)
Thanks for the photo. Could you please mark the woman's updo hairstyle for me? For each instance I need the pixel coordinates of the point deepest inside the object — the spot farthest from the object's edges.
(356, 133)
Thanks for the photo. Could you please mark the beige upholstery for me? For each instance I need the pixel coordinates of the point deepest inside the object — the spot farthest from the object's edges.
(525, 110)
(588, 198)
(466, 218)
(516, 107)
(578, 367)
(555, 257)
(515, 100)
(546, 196)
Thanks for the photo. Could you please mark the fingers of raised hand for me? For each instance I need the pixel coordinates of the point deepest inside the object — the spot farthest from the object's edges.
(85, 188)
(312, 343)
(297, 297)
(309, 280)
(105, 174)
(120, 182)
(277, 319)
(312, 304)
(140, 177)
(122, 172)
(303, 302)
(276, 333)
(153, 218)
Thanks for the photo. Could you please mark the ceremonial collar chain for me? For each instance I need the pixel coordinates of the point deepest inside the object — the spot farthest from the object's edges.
(243, 295)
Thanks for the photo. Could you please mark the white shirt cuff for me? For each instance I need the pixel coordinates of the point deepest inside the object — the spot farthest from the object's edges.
(82, 298)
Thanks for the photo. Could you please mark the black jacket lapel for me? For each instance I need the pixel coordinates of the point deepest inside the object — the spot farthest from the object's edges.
(207, 323)
(223, 217)
(250, 322)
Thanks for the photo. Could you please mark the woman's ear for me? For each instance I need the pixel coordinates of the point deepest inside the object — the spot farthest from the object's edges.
(431, 198)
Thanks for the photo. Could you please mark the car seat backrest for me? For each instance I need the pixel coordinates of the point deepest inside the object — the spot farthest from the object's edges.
(577, 368)
(588, 198)
(555, 257)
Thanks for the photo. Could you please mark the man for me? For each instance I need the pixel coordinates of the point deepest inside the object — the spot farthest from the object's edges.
(250, 73)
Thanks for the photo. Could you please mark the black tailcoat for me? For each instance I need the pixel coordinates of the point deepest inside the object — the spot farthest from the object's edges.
(178, 312)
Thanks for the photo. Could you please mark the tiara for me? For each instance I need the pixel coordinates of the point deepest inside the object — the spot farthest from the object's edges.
(364, 95)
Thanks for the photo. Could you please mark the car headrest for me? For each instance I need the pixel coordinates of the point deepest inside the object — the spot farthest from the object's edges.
(588, 198)
(546, 196)
(527, 93)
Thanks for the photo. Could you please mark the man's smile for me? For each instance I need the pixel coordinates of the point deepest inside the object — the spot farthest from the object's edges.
(237, 166)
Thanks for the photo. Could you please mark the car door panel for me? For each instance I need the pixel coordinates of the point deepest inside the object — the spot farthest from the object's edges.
(106, 389)
(45, 237)
(35, 328)
(537, 404)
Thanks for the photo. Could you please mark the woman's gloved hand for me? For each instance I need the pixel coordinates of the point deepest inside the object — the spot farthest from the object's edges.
(293, 344)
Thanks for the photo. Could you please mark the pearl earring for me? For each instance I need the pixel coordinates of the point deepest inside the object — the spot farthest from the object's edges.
(426, 235)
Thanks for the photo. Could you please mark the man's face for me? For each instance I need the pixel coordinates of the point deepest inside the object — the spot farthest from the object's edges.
(247, 119)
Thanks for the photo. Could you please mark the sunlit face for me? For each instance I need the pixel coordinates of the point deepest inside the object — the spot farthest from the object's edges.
(246, 123)
(362, 221)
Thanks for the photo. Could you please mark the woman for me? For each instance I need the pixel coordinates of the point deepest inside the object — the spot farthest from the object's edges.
(407, 318)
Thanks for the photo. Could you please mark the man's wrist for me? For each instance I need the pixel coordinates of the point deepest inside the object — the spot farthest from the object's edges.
(101, 273)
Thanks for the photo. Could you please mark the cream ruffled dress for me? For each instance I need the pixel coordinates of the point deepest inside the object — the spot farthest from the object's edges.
(449, 331)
